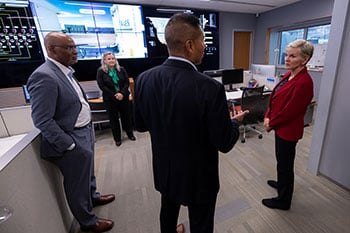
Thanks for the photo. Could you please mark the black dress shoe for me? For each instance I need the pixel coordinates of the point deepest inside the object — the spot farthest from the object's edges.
(118, 143)
(132, 137)
(272, 183)
(101, 225)
(274, 203)
(104, 199)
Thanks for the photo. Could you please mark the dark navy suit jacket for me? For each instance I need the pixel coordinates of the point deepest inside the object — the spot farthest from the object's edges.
(187, 116)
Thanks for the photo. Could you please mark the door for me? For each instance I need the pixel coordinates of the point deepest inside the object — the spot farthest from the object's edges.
(241, 49)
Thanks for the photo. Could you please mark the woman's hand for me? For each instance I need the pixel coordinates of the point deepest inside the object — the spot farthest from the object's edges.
(119, 96)
(266, 125)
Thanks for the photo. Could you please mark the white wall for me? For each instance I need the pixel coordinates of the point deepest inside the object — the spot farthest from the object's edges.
(228, 23)
(330, 144)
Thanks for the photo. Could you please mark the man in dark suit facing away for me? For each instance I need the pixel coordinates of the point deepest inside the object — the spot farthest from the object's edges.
(188, 119)
(61, 112)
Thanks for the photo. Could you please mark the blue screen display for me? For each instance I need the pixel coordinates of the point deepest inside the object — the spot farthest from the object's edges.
(95, 27)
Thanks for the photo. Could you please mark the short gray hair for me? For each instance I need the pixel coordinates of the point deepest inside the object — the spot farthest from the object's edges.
(306, 47)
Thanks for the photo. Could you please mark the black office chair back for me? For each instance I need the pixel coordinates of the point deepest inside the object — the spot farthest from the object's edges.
(254, 101)
(250, 91)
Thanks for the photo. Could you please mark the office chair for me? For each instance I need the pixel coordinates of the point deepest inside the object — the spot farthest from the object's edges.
(99, 114)
(254, 101)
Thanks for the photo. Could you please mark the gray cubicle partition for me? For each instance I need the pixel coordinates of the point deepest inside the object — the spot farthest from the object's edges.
(33, 188)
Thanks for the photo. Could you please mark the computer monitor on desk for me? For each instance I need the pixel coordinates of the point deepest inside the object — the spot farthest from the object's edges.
(213, 73)
(264, 70)
(232, 76)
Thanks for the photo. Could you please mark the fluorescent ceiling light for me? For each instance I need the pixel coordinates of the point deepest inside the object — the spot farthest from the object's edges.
(173, 10)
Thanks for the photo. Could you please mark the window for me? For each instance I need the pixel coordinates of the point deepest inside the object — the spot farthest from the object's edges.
(319, 37)
(317, 33)
(286, 38)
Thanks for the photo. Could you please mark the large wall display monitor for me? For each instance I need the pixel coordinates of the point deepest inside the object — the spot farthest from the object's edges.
(156, 20)
(19, 41)
(134, 33)
(95, 27)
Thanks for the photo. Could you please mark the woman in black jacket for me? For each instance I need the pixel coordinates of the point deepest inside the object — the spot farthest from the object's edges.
(113, 80)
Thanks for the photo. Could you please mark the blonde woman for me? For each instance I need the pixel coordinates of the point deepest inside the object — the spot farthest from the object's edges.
(285, 115)
(113, 80)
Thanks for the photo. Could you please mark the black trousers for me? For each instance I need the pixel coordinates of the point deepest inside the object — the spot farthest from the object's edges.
(285, 155)
(116, 109)
(201, 216)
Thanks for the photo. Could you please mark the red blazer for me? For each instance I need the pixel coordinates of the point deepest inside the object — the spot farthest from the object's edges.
(288, 105)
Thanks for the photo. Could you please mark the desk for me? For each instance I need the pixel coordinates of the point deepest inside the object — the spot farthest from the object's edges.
(100, 99)
(237, 95)
(96, 100)
(269, 82)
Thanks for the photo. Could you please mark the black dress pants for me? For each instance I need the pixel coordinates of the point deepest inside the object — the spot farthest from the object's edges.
(116, 109)
(201, 216)
(285, 155)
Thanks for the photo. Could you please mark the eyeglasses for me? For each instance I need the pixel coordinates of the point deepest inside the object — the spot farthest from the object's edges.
(67, 47)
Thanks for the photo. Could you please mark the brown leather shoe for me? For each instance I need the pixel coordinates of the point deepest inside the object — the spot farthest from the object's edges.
(180, 228)
(101, 225)
(104, 199)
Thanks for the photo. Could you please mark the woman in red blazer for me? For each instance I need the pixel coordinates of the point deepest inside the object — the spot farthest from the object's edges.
(285, 115)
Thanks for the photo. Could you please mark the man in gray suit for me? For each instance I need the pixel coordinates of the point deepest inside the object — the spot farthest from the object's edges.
(61, 112)
(188, 119)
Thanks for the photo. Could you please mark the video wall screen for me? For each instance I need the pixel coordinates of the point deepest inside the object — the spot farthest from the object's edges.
(95, 27)
(19, 40)
(155, 22)
(130, 31)
(133, 32)
(155, 27)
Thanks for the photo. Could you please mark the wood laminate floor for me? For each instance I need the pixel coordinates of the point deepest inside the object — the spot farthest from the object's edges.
(319, 205)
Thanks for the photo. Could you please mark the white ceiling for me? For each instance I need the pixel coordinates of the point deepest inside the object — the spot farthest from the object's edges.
(241, 6)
